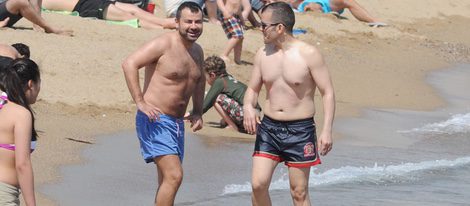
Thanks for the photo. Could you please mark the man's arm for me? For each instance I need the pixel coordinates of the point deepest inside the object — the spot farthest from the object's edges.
(147, 54)
(198, 96)
(246, 5)
(321, 76)
(251, 118)
(221, 6)
(211, 96)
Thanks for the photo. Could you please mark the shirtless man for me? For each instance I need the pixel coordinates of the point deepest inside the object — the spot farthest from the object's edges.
(11, 11)
(290, 70)
(173, 73)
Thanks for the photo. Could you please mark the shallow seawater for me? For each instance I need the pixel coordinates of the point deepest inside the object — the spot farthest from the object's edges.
(386, 157)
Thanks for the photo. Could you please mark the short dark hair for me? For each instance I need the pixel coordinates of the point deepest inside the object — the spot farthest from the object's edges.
(282, 13)
(215, 64)
(193, 7)
(23, 49)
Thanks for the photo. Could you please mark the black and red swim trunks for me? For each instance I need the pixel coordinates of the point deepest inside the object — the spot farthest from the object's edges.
(292, 142)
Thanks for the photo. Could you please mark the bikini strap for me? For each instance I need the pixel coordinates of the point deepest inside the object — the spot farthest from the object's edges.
(3, 99)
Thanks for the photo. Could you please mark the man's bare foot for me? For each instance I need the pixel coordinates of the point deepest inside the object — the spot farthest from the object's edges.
(222, 123)
(238, 61)
(215, 21)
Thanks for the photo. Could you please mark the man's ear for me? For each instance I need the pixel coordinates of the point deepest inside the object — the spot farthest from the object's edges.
(282, 28)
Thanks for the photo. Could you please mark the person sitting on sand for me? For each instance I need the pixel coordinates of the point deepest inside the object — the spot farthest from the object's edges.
(110, 10)
(336, 7)
(226, 94)
(11, 11)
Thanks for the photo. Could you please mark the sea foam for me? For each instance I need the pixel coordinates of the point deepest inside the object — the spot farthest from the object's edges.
(348, 174)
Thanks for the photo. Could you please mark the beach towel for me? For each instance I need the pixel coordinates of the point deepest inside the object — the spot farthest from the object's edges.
(132, 23)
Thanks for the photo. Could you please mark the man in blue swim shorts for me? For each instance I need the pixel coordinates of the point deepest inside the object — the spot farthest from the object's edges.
(168, 87)
(291, 71)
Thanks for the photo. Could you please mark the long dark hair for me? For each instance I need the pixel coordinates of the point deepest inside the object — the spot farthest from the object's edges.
(14, 81)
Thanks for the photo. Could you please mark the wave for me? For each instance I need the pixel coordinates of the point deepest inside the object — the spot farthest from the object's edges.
(459, 123)
(348, 174)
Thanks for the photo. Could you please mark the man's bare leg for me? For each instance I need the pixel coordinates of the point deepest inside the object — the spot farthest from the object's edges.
(232, 42)
(261, 176)
(253, 20)
(237, 52)
(24, 8)
(298, 179)
(211, 7)
(356, 10)
(225, 116)
(171, 174)
(145, 16)
(4, 22)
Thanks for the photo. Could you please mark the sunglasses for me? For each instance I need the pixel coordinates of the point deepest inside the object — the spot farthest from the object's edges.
(264, 25)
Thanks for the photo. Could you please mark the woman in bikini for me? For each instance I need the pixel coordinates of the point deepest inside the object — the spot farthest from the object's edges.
(19, 84)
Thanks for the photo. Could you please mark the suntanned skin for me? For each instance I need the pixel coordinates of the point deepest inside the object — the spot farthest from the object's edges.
(4, 22)
(229, 8)
(9, 51)
(173, 74)
(118, 12)
(291, 71)
(15, 128)
(30, 9)
(359, 12)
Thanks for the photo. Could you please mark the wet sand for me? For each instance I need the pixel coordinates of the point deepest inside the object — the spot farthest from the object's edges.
(84, 93)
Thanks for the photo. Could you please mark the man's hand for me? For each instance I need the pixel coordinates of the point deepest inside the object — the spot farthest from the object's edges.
(251, 119)
(195, 120)
(152, 112)
(4, 22)
(325, 143)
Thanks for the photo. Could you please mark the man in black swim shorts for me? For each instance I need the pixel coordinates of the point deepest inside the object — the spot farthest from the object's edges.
(291, 71)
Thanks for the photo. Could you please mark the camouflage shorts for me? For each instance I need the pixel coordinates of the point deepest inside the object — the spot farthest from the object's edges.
(233, 109)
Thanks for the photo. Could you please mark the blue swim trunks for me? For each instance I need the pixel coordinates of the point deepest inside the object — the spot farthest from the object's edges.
(325, 5)
(164, 137)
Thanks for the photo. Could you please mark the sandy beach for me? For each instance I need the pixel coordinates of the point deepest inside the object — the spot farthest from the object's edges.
(84, 94)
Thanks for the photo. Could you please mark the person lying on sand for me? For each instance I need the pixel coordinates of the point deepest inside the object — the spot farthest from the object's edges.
(11, 11)
(336, 7)
(110, 10)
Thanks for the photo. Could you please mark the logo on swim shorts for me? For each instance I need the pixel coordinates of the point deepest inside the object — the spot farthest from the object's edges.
(309, 150)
